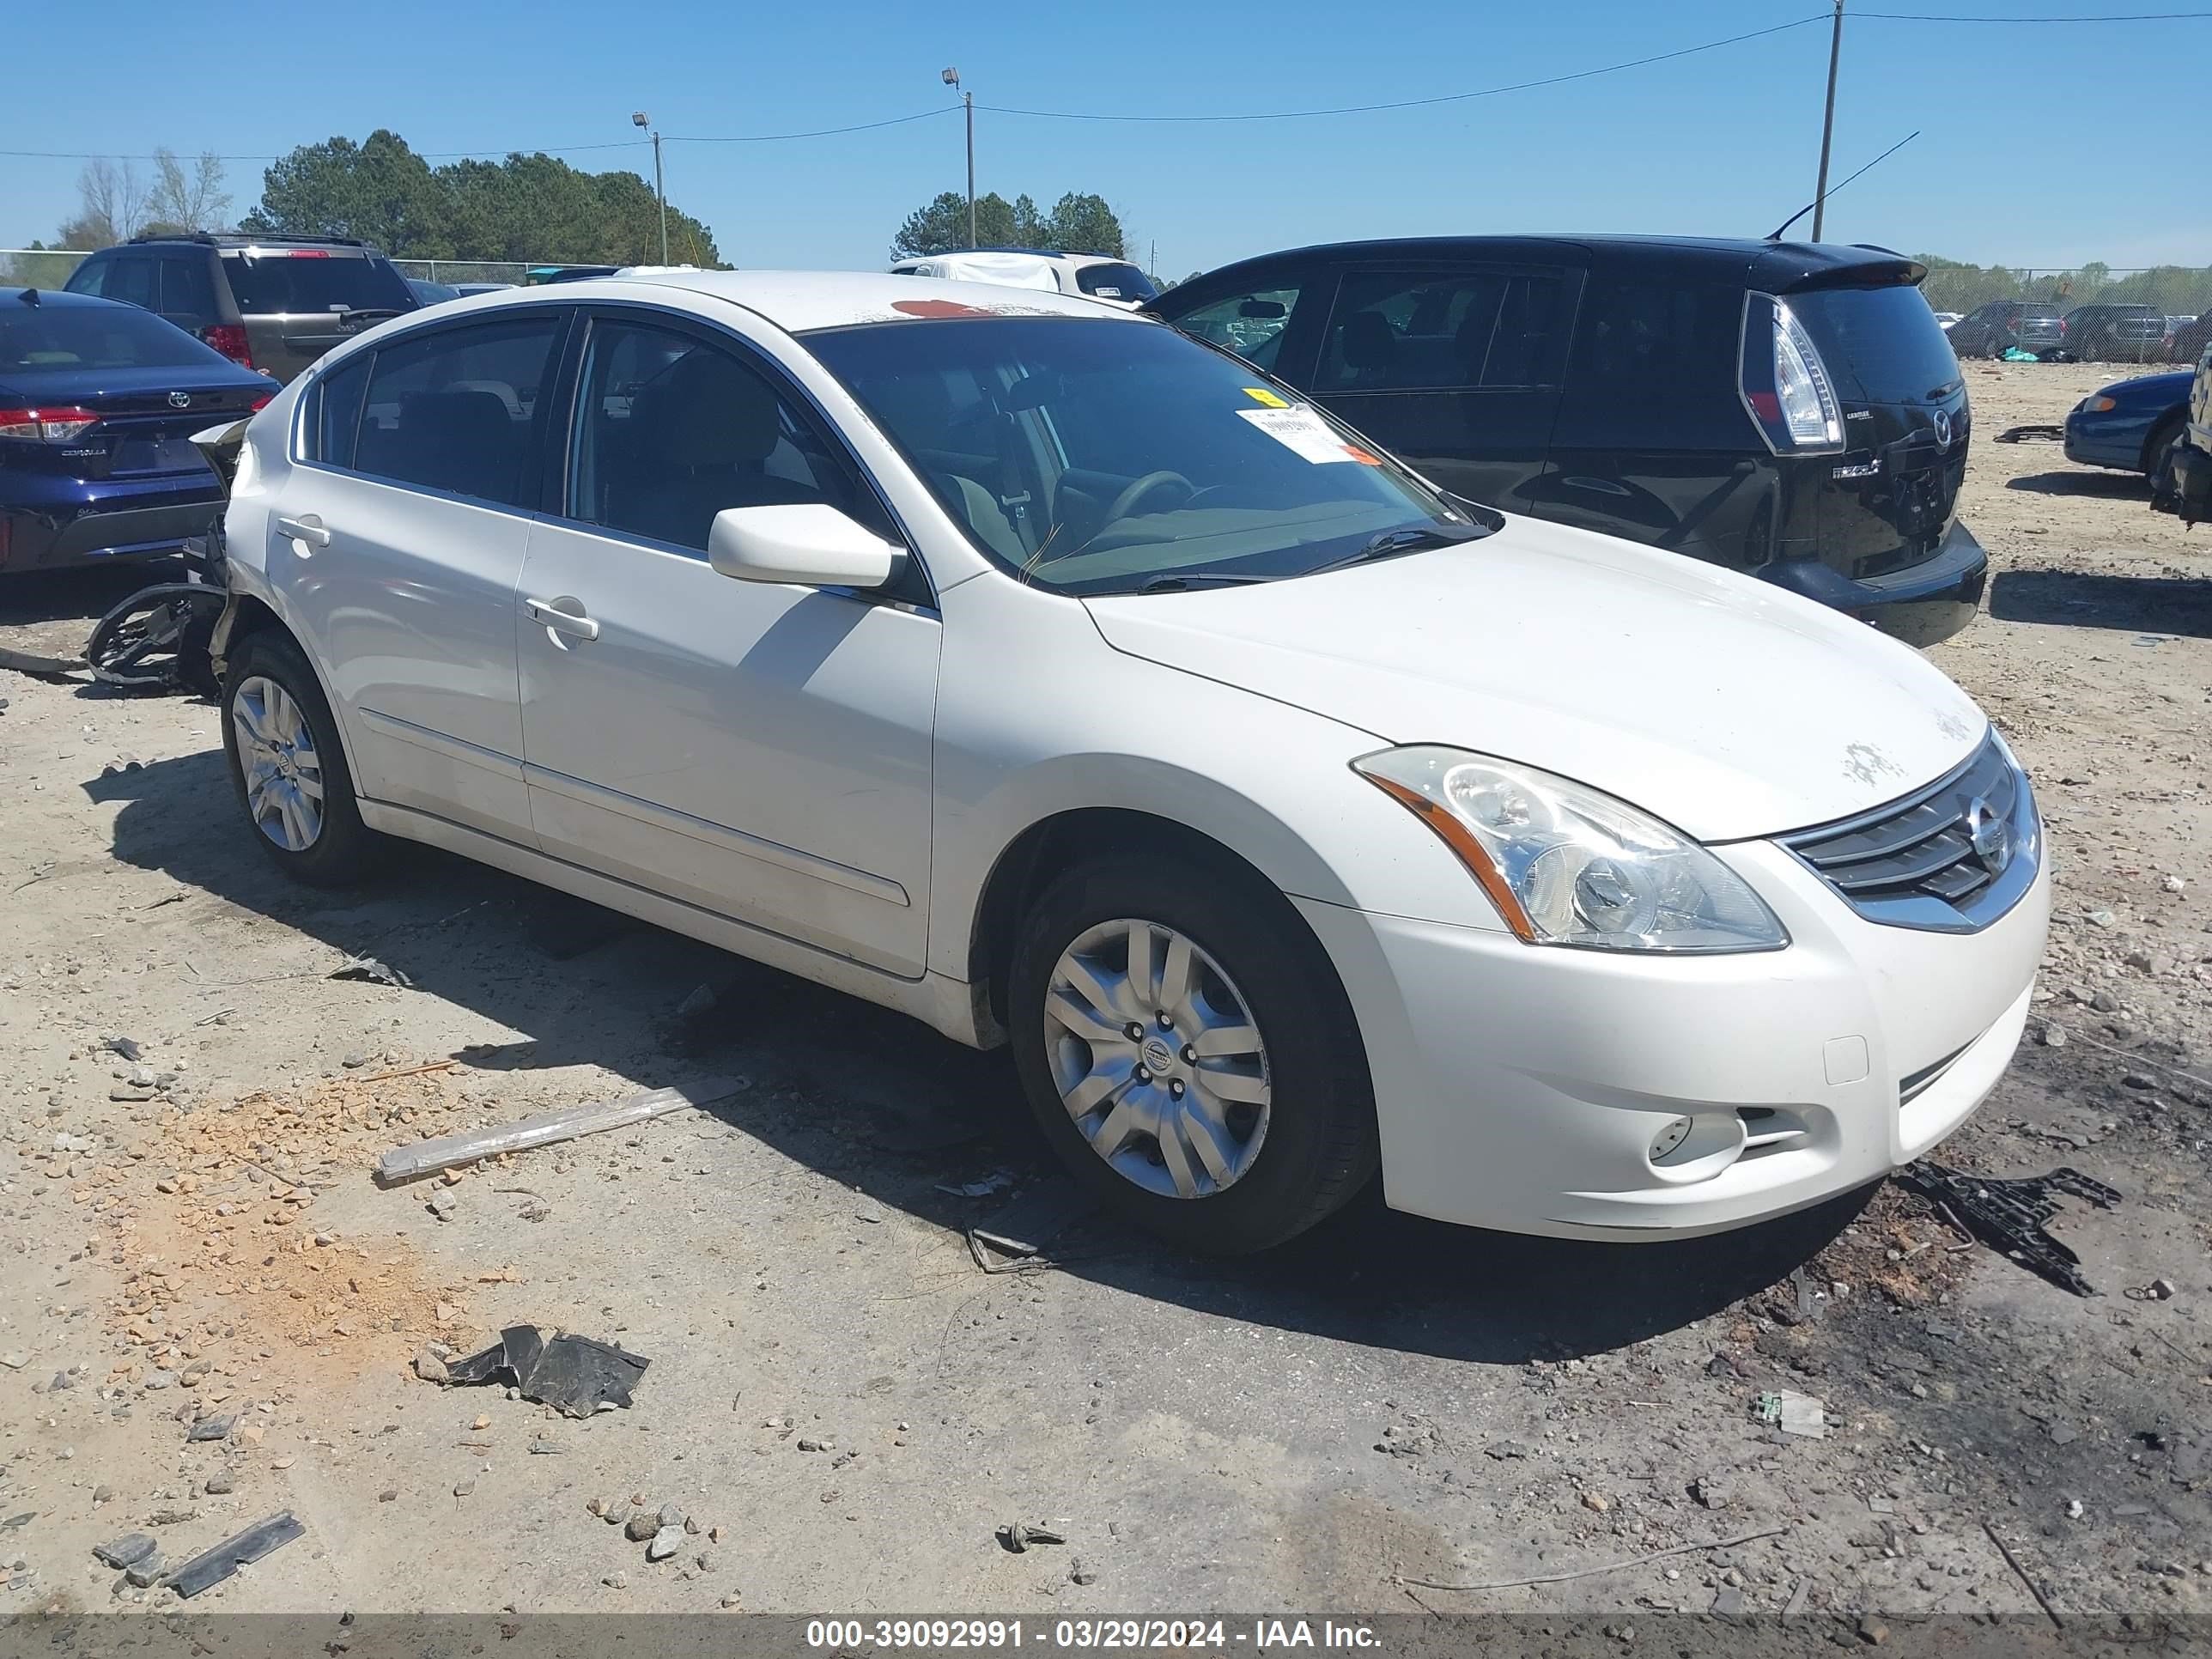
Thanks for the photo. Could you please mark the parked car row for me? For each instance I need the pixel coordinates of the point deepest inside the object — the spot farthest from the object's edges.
(1292, 816)
(2089, 333)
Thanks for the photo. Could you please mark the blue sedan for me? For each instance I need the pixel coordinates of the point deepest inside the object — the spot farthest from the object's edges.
(2129, 423)
(99, 400)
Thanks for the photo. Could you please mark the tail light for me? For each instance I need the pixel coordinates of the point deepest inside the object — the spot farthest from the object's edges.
(229, 338)
(1784, 384)
(2061, 328)
(260, 404)
(53, 426)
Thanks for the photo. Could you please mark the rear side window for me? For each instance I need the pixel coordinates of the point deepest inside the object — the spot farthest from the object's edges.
(186, 288)
(454, 409)
(310, 280)
(64, 338)
(1881, 345)
(1466, 330)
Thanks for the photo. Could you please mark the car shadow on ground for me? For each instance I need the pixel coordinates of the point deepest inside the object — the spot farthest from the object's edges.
(2153, 607)
(891, 1108)
(83, 593)
(2127, 486)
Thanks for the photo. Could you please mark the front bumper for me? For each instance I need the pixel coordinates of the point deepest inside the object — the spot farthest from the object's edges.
(2115, 439)
(1522, 1087)
(1919, 605)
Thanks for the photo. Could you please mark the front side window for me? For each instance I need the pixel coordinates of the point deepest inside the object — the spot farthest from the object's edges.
(1249, 325)
(670, 430)
(454, 410)
(1103, 456)
(90, 276)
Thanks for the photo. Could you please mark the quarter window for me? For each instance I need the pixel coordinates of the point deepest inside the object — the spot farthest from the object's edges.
(454, 409)
(669, 430)
(336, 420)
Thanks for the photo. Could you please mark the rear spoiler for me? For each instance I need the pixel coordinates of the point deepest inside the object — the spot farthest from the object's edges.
(1885, 269)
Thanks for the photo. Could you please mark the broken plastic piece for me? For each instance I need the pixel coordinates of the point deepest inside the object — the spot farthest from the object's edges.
(573, 1374)
(1016, 1237)
(376, 972)
(2008, 1215)
(213, 1566)
(1794, 1414)
(1018, 1535)
(127, 1551)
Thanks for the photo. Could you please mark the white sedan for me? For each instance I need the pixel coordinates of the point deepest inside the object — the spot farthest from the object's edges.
(1039, 672)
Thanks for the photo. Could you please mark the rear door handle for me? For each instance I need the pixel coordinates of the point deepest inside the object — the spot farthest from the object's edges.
(549, 613)
(307, 527)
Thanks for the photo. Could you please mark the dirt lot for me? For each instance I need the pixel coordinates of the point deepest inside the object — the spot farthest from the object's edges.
(848, 1408)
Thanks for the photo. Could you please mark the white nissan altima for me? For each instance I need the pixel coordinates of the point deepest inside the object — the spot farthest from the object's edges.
(1031, 668)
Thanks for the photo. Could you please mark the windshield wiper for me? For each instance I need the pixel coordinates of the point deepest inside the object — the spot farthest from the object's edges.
(1198, 579)
(1407, 538)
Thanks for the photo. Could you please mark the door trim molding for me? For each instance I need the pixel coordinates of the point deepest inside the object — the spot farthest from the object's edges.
(438, 743)
(715, 835)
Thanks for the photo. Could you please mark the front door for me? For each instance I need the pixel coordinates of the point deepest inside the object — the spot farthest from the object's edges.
(1456, 370)
(758, 750)
(398, 543)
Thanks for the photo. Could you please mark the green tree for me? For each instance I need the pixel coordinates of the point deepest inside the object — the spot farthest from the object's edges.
(1085, 224)
(533, 208)
(1081, 224)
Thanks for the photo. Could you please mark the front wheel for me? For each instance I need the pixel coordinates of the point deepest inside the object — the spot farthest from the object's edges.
(1190, 1053)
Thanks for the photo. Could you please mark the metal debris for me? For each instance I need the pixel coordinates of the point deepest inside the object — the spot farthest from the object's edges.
(1794, 1414)
(573, 1374)
(2008, 1215)
(374, 971)
(213, 1566)
(126, 1550)
(1016, 1536)
(1017, 1235)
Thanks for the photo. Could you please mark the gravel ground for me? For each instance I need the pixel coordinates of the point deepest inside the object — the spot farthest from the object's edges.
(847, 1409)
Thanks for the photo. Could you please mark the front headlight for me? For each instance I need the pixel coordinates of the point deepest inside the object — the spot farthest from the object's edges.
(1567, 864)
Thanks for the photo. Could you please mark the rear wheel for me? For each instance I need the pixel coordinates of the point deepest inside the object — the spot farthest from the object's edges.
(1190, 1053)
(288, 767)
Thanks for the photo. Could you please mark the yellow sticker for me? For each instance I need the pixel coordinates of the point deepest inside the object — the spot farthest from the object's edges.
(1260, 394)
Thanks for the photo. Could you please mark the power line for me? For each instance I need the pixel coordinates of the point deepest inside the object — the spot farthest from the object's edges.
(1417, 103)
(2082, 17)
(424, 154)
(819, 132)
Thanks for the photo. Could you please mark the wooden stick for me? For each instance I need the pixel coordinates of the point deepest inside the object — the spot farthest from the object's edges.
(1609, 1566)
(411, 1070)
(2021, 1572)
(472, 1146)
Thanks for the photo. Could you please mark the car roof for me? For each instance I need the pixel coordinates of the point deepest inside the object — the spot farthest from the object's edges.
(798, 301)
(1776, 264)
(42, 297)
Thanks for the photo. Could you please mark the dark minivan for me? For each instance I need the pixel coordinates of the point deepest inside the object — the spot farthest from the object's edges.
(1789, 410)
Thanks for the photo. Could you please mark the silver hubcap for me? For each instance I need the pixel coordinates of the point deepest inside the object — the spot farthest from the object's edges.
(1156, 1059)
(283, 774)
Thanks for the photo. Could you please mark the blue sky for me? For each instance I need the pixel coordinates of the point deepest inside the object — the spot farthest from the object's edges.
(1722, 142)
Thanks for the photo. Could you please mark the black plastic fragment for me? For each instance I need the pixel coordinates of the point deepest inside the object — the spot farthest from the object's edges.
(573, 1374)
(213, 1566)
(2008, 1215)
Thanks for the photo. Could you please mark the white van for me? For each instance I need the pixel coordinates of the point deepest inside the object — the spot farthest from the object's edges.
(1093, 275)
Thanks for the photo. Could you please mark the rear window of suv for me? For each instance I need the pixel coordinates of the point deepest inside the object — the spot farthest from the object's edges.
(1116, 282)
(290, 283)
(1882, 345)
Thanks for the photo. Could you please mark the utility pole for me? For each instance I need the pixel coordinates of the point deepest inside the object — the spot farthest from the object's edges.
(951, 78)
(1828, 123)
(640, 119)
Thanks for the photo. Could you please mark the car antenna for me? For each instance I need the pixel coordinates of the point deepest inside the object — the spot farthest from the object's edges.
(30, 296)
(1775, 235)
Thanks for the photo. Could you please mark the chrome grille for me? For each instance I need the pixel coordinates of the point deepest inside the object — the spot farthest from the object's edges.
(1952, 858)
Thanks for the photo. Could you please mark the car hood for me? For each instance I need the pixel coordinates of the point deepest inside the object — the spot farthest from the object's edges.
(1723, 705)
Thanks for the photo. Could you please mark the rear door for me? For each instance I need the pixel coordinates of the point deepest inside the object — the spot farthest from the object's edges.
(398, 539)
(298, 302)
(1456, 367)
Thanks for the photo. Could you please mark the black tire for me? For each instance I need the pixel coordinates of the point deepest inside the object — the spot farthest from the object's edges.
(2162, 438)
(344, 850)
(1319, 1148)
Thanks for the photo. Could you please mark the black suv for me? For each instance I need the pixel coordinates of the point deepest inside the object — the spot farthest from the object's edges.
(1785, 409)
(274, 303)
(2117, 334)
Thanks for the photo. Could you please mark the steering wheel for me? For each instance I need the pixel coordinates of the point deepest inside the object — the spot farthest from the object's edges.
(1140, 487)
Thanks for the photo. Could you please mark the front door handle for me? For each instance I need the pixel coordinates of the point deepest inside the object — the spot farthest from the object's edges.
(549, 613)
(307, 527)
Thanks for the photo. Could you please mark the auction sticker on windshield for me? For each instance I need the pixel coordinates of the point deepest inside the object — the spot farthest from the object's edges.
(1305, 435)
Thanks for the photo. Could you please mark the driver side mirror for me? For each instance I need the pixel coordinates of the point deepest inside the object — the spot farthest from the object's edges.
(813, 545)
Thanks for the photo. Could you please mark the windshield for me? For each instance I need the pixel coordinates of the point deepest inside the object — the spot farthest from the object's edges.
(288, 285)
(1105, 457)
(64, 337)
(1116, 282)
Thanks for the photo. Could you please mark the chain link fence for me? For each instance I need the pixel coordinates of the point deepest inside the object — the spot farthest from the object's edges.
(467, 270)
(24, 267)
(2147, 315)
